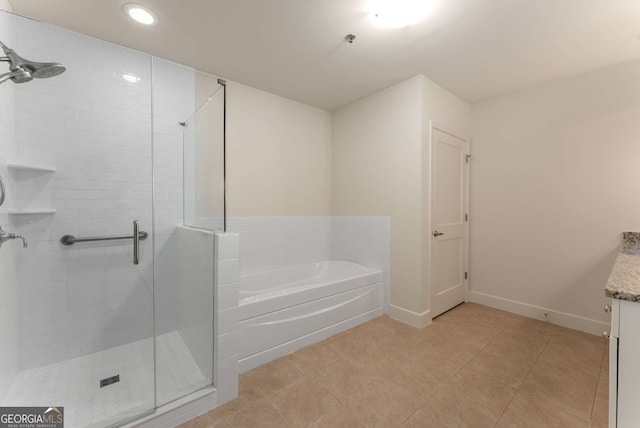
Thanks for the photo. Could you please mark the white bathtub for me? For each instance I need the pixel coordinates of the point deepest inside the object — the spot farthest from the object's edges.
(286, 309)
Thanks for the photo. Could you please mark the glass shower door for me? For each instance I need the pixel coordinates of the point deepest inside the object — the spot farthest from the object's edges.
(185, 252)
(81, 167)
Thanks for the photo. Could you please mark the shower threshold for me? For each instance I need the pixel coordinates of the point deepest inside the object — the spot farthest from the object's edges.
(75, 383)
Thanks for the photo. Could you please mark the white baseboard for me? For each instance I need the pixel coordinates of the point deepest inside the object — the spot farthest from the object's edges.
(563, 319)
(414, 319)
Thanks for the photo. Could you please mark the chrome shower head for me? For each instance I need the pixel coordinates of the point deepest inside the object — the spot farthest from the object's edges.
(43, 70)
(39, 70)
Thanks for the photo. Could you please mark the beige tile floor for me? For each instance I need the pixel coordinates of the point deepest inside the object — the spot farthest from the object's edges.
(474, 366)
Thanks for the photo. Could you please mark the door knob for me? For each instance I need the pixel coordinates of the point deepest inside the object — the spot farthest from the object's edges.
(436, 233)
(605, 334)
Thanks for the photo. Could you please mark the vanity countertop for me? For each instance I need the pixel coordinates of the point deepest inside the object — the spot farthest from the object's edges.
(624, 282)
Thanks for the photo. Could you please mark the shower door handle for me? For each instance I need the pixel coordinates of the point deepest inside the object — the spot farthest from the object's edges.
(136, 242)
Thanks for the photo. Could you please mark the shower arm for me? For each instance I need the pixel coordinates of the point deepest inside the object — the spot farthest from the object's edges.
(7, 76)
(5, 48)
(6, 51)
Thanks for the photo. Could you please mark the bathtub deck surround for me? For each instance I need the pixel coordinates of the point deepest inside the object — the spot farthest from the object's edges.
(473, 366)
(227, 279)
(289, 308)
(305, 278)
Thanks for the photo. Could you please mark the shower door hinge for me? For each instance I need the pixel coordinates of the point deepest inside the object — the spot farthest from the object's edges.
(466, 275)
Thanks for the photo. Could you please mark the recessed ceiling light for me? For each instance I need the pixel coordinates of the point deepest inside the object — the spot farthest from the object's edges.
(399, 13)
(140, 13)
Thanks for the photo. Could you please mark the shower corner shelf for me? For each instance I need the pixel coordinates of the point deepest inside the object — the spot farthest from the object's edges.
(31, 211)
(30, 167)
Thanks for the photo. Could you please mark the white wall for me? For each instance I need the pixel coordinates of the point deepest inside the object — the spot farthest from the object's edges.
(278, 155)
(554, 184)
(381, 168)
(278, 181)
(377, 171)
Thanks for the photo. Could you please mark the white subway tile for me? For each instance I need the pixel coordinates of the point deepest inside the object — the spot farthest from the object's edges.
(227, 391)
(228, 246)
(227, 370)
(227, 320)
(227, 296)
(228, 272)
(227, 345)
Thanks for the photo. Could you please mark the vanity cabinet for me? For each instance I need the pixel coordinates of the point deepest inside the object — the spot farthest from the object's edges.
(624, 365)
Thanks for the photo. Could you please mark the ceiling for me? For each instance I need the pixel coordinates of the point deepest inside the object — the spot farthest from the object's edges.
(295, 48)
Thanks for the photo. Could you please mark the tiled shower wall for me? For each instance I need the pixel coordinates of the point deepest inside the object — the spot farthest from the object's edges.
(95, 129)
(364, 240)
(268, 243)
(9, 357)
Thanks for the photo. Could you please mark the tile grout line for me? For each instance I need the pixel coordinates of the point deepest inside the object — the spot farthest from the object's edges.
(478, 352)
(311, 379)
(595, 395)
(524, 380)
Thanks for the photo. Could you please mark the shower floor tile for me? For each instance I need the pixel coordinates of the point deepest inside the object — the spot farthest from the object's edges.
(75, 384)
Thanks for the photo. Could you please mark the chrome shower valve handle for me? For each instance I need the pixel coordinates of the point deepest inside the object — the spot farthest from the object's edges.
(7, 236)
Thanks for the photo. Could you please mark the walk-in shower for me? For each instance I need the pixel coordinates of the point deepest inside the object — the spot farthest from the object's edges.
(109, 312)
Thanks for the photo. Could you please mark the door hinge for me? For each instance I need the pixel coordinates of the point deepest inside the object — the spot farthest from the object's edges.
(467, 158)
(466, 275)
(466, 217)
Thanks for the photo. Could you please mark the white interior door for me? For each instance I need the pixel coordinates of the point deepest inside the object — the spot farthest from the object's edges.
(449, 234)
